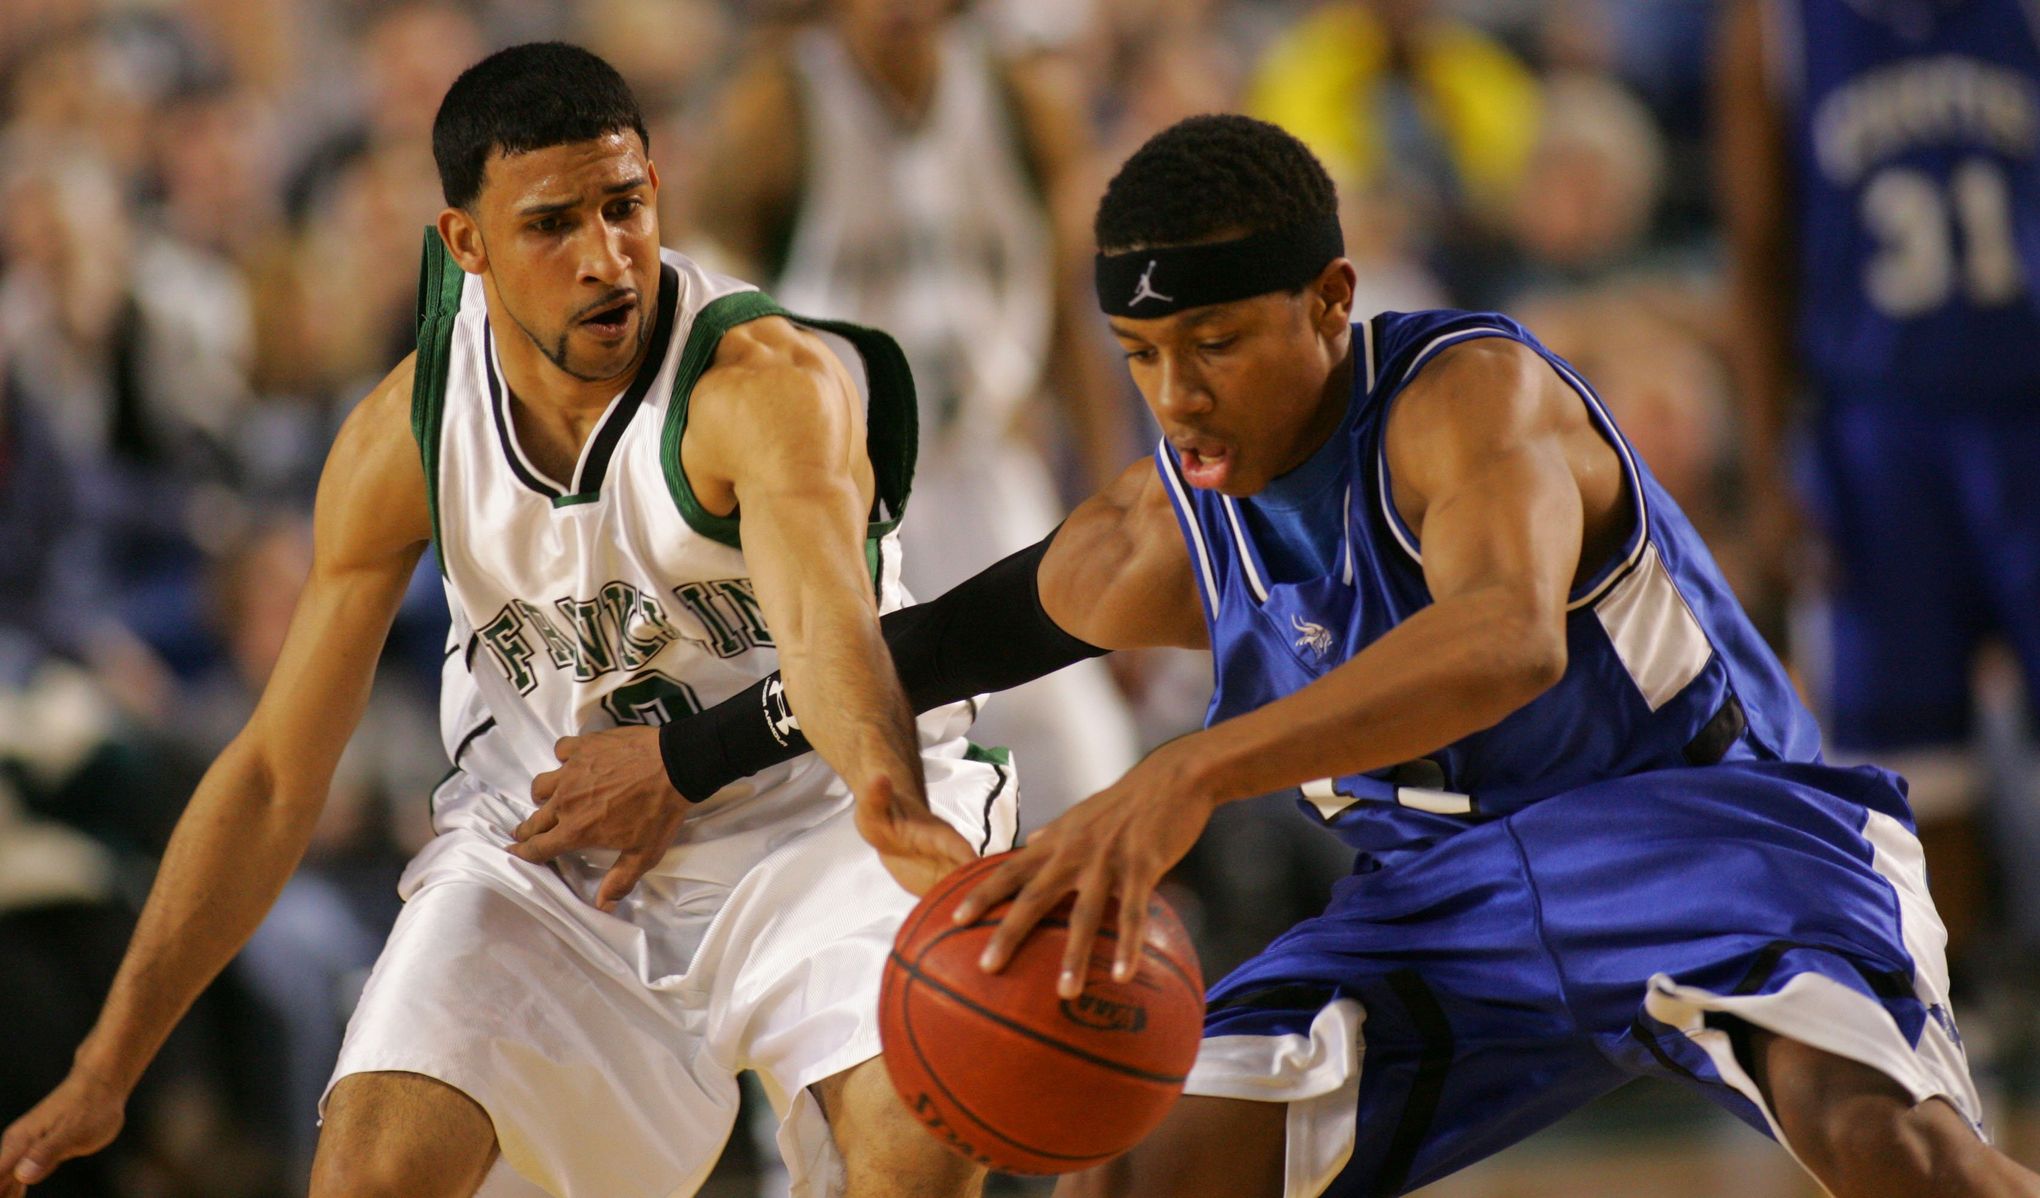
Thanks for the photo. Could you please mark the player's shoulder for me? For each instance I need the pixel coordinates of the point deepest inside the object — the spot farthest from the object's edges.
(383, 416)
(373, 496)
(1488, 382)
(769, 376)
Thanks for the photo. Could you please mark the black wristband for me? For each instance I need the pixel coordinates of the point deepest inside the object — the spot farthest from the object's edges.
(737, 737)
(990, 633)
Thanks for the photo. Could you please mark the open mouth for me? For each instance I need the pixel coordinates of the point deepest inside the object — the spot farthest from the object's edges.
(610, 320)
(1206, 462)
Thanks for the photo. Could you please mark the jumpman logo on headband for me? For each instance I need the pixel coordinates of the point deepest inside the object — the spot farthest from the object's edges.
(1145, 289)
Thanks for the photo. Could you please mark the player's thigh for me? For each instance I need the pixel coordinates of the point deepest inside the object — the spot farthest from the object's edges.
(886, 1152)
(1205, 1148)
(401, 1134)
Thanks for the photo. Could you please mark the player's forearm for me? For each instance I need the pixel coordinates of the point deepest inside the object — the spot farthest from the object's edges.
(1453, 669)
(842, 687)
(234, 847)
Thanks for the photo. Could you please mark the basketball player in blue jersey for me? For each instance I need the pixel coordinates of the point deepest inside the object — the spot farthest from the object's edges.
(1881, 162)
(1595, 838)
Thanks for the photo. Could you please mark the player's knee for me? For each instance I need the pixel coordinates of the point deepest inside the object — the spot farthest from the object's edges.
(392, 1135)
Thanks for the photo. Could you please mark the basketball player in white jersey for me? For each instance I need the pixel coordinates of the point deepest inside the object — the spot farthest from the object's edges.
(885, 166)
(586, 431)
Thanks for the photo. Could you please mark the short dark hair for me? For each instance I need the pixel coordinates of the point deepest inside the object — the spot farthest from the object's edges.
(1206, 175)
(526, 98)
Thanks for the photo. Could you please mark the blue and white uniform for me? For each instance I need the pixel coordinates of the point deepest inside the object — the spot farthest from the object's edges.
(1914, 136)
(1576, 896)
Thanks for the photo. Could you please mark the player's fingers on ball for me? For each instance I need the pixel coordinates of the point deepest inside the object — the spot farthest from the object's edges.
(1133, 910)
(1041, 893)
(1085, 915)
(999, 885)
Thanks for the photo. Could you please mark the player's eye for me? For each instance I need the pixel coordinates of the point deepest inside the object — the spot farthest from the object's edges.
(1217, 344)
(548, 224)
(625, 209)
(1140, 355)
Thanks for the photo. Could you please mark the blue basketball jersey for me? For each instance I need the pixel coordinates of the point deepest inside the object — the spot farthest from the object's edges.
(1663, 670)
(1914, 128)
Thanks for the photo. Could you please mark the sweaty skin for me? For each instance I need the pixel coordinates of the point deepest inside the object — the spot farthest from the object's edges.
(567, 246)
(1497, 466)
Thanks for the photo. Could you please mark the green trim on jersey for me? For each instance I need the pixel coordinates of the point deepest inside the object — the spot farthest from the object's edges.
(892, 430)
(576, 499)
(439, 282)
(988, 754)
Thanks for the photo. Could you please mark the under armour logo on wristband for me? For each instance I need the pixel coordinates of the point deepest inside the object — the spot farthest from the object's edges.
(779, 715)
(1145, 289)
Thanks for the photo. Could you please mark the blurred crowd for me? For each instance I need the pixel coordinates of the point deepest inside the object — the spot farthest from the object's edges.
(210, 214)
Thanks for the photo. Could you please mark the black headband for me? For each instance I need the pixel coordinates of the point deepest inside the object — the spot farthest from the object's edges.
(1145, 283)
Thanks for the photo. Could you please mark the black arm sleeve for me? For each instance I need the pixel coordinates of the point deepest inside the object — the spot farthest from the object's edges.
(990, 633)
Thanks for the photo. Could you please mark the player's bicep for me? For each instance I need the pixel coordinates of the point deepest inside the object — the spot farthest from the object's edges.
(1477, 449)
(371, 524)
(787, 430)
(1118, 575)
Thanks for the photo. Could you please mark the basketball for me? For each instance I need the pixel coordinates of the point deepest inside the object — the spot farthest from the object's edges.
(1008, 1073)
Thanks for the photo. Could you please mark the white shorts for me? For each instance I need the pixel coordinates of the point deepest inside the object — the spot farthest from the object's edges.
(605, 1047)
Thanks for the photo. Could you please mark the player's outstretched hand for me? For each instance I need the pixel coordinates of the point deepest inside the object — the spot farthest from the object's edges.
(1115, 845)
(80, 1117)
(610, 792)
(917, 847)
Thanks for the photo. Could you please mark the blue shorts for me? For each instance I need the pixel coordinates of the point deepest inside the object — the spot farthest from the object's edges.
(1934, 526)
(1454, 1001)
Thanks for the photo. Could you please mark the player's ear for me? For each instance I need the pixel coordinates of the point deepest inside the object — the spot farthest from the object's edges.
(652, 177)
(463, 238)
(1332, 297)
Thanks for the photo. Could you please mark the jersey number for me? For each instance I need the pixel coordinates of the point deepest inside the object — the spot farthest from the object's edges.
(1932, 238)
(651, 698)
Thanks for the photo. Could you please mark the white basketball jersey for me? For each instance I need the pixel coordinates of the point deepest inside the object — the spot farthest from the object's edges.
(934, 232)
(610, 597)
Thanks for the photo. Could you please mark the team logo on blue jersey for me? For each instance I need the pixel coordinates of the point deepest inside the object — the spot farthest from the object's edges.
(1314, 637)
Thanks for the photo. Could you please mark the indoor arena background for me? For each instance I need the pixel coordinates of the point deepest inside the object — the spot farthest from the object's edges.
(209, 216)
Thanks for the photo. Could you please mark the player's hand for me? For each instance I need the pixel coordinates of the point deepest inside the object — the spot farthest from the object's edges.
(1115, 845)
(917, 847)
(80, 1117)
(610, 792)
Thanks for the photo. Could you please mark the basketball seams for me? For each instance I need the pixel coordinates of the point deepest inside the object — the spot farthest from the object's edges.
(914, 974)
(1151, 952)
(991, 1030)
(928, 1068)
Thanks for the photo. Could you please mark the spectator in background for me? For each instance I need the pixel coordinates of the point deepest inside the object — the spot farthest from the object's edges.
(885, 166)
(1394, 90)
(1584, 201)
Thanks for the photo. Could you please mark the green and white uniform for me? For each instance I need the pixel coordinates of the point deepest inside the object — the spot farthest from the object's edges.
(605, 1046)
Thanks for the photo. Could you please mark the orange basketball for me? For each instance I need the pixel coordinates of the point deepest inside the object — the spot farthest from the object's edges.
(1009, 1074)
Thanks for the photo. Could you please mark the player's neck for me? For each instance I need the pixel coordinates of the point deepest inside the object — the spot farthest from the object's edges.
(903, 69)
(540, 384)
(1333, 402)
